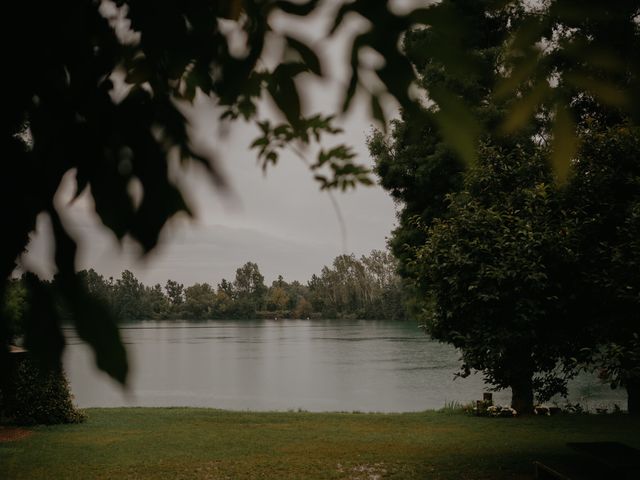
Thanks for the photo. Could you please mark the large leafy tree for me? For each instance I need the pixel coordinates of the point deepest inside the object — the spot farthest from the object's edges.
(604, 200)
(510, 76)
(495, 272)
(422, 161)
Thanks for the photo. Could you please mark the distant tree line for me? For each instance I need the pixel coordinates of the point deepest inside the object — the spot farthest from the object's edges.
(351, 288)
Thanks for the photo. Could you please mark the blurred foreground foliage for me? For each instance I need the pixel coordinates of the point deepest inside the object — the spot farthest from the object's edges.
(95, 88)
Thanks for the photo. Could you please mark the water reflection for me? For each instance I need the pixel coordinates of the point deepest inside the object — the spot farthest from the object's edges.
(316, 365)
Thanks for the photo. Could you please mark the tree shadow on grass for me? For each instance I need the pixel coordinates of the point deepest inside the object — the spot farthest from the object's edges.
(515, 465)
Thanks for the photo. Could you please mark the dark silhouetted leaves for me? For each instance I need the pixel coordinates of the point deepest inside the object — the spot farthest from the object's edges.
(377, 112)
(307, 55)
(345, 174)
(43, 337)
(297, 8)
(284, 92)
(93, 321)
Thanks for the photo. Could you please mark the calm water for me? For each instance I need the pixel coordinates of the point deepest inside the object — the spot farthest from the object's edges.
(316, 365)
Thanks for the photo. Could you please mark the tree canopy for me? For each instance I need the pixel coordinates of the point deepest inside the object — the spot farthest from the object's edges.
(499, 255)
(603, 197)
(493, 276)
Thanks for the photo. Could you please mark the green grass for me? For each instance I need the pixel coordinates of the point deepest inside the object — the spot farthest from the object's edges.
(180, 443)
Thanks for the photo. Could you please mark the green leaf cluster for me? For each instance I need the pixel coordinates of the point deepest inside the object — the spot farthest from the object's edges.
(495, 269)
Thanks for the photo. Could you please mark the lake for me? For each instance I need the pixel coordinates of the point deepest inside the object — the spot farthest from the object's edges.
(315, 365)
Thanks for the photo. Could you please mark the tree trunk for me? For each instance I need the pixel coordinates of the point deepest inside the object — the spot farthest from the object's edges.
(522, 395)
(633, 397)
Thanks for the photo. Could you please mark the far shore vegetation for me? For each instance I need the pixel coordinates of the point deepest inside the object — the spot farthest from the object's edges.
(351, 288)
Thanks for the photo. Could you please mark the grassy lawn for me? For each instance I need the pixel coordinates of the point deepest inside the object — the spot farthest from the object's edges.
(175, 443)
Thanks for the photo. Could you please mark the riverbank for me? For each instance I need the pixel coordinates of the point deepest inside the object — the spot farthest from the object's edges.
(187, 443)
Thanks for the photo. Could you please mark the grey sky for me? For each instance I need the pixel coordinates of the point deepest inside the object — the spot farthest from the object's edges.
(279, 220)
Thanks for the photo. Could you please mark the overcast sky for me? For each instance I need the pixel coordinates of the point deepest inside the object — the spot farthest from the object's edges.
(279, 220)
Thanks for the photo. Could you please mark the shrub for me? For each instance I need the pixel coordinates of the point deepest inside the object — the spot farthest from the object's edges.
(38, 396)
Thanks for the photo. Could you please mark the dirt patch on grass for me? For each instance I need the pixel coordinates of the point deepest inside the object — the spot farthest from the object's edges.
(12, 434)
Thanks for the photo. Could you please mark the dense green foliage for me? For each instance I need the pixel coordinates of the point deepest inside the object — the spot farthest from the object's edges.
(37, 395)
(603, 197)
(533, 282)
(162, 443)
(560, 60)
(416, 162)
(364, 288)
(495, 272)
(527, 279)
(427, 178)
